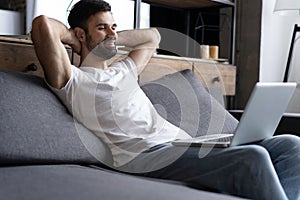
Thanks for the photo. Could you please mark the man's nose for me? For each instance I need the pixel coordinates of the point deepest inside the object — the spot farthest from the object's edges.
(111, 32)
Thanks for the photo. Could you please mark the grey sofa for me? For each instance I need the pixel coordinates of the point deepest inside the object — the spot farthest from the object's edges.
(42, 156)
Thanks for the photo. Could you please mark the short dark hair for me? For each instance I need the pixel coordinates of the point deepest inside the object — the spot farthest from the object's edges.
(83, 10)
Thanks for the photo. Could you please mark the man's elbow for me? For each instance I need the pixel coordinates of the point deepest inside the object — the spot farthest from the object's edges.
(156, 37)
(40, 25)
(39, 20)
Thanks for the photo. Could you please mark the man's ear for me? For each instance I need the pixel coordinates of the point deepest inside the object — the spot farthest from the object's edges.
(80, 34)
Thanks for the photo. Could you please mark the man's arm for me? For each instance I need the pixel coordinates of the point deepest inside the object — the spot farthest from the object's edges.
(143, 42)
(48, 36)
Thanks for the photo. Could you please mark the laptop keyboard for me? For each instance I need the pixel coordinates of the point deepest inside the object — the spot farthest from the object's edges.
(222, 139)
(210, 139)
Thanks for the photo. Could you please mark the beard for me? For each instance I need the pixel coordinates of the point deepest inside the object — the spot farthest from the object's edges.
(104, 49)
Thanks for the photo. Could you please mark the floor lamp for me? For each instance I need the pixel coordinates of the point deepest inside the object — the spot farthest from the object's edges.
(291, 8)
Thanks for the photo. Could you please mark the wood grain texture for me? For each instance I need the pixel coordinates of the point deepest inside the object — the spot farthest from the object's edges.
(18, 55)
(211, 74)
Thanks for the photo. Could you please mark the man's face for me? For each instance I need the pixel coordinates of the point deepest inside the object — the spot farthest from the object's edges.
(101, 35)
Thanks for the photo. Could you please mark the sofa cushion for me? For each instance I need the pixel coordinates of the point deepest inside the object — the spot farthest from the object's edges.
(75, 182)
(36, 128)
(182, 100)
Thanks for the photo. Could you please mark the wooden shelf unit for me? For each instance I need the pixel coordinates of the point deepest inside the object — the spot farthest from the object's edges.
(191, 4)
(187, 6)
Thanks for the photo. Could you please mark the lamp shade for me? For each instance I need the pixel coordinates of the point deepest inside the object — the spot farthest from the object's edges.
(287, 7)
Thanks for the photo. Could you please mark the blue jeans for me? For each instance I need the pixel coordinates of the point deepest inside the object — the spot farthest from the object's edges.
(267, 170)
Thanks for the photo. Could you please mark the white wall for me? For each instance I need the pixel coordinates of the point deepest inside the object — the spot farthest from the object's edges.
(123, 11)
(275, 42)
(276, 37)
(56, 9)
(12, 23)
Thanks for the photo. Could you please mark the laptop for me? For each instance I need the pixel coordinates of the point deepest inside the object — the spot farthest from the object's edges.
(259, 121)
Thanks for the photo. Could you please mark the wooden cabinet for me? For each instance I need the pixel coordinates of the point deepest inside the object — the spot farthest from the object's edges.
(19, 55)
(211, 74)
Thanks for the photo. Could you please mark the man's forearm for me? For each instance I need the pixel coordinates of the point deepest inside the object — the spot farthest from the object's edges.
(138, 39)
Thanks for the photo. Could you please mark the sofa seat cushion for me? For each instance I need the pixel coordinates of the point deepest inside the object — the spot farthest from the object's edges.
(182, 100)
(36, 128)
(74, 182)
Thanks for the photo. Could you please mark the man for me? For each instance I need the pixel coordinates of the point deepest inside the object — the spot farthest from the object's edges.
(109, 101)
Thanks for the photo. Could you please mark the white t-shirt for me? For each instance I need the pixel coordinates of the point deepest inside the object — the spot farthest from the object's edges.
(112, 105)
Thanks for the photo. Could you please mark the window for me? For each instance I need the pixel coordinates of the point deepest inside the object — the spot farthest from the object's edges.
(123, 11)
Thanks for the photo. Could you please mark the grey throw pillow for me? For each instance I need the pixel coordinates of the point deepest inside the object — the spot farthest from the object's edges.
(182, 100)
(36, 128)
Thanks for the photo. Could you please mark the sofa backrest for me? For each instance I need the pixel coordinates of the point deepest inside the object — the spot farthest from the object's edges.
(184, 101)
(36, 128)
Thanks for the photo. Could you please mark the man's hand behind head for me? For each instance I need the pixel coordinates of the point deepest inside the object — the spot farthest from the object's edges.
(74, 43)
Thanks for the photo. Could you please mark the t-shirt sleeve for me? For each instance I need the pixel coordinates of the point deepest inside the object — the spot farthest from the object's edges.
(127, 65)
(131, 66)
(65, 93)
